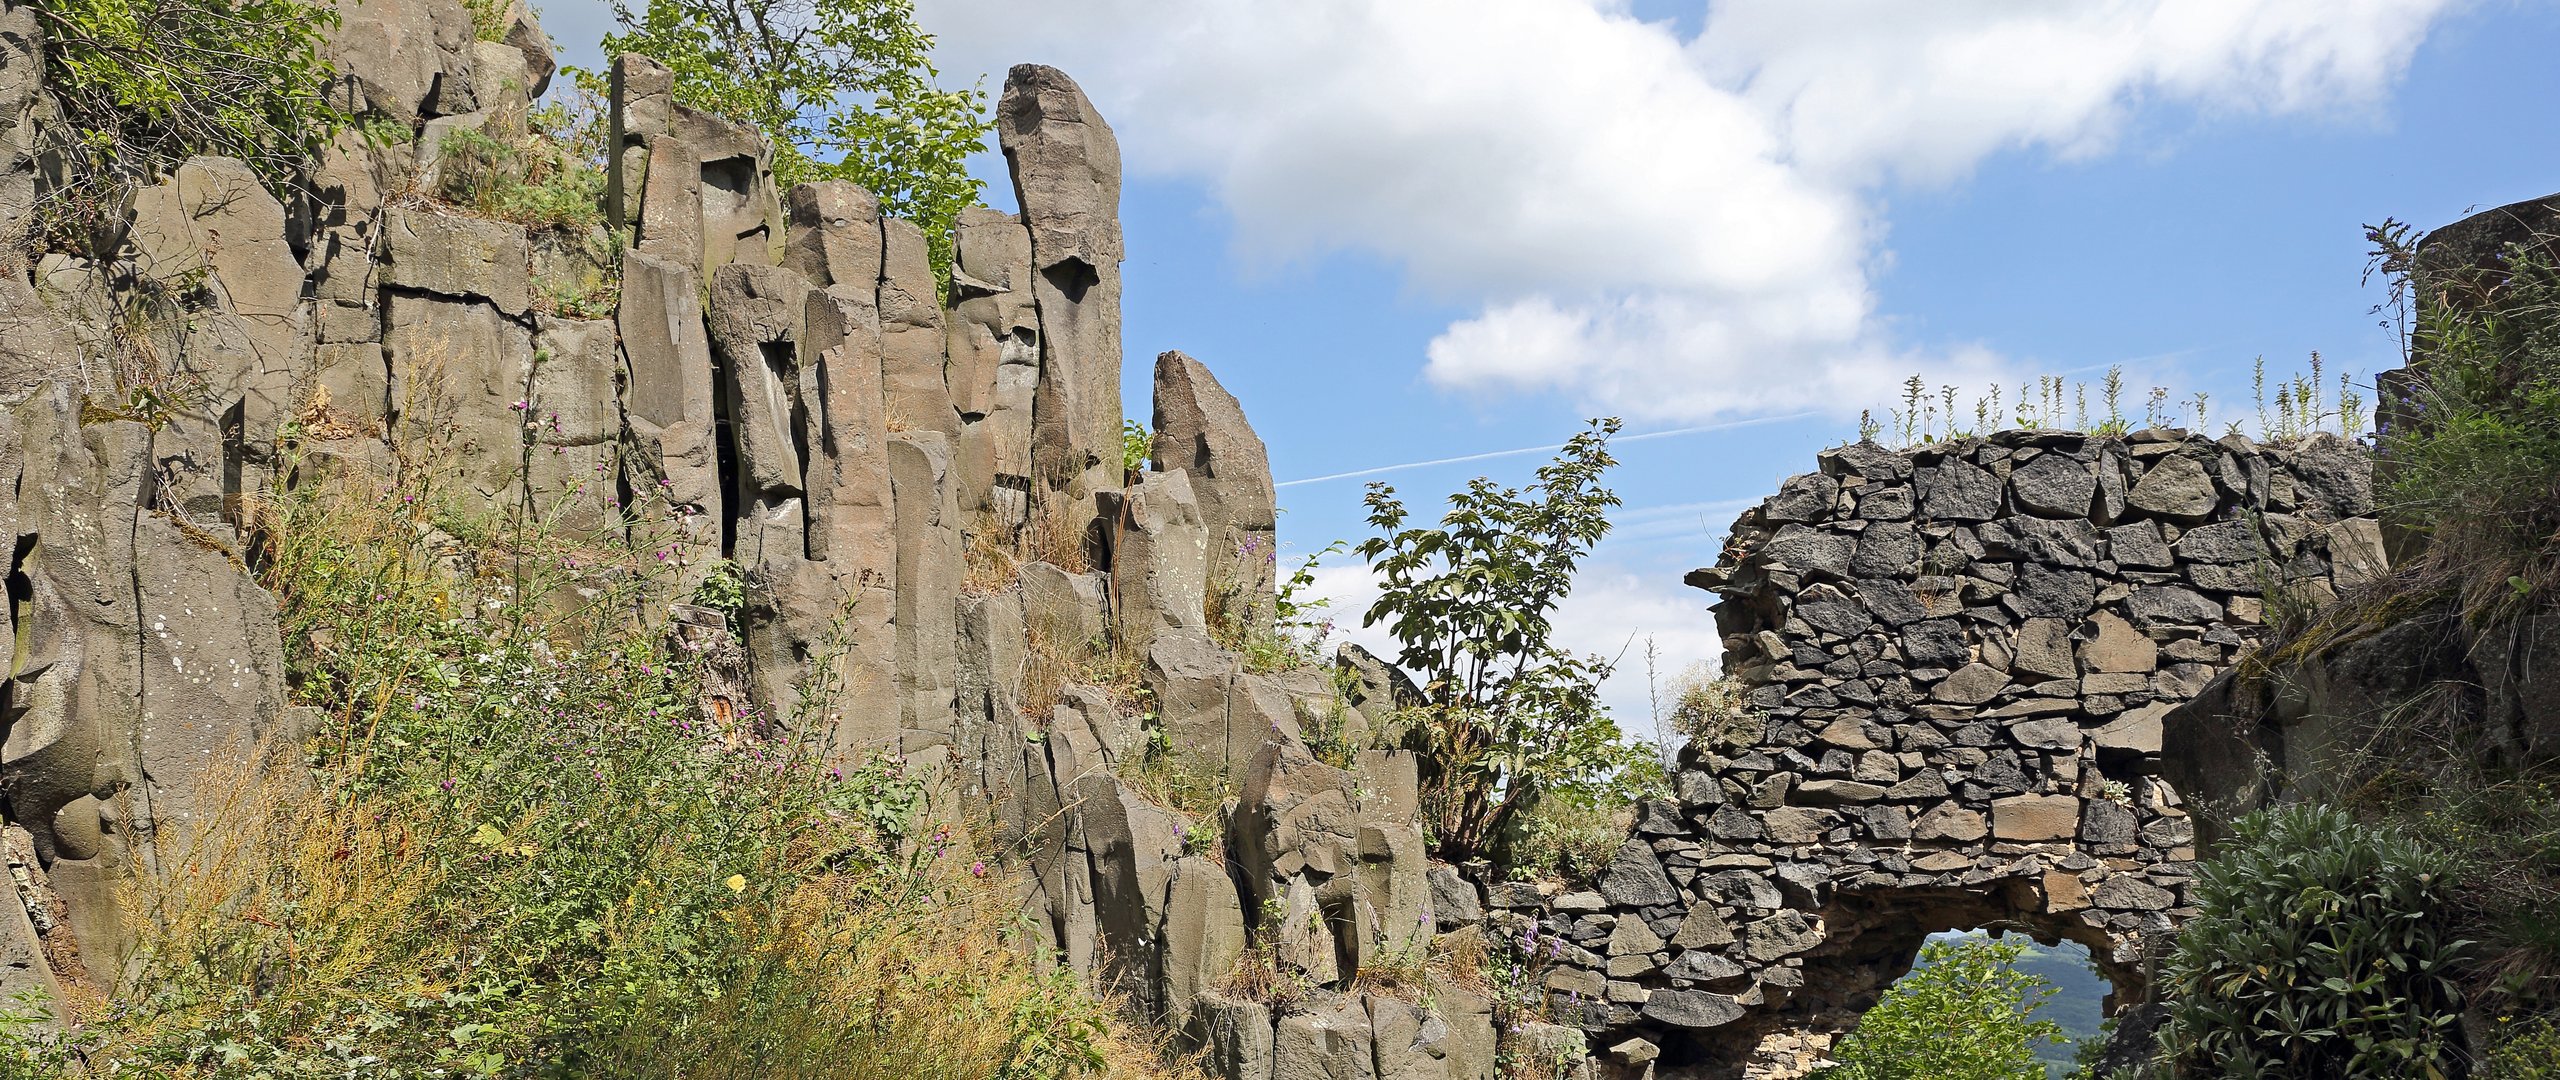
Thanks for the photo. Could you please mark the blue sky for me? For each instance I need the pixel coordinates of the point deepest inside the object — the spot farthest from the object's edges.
(1408, 230)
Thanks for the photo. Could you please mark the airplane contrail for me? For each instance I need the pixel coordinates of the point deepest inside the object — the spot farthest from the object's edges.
(1491, 454)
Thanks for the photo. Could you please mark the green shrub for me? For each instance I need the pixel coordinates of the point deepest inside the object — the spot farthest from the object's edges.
(1572, 836)
(146, 84)
(527, 178)
(2321, 951)
(1964, 1013)
(1296, 629)
(2526, 1050)
(1137, 444)
(1509, 716)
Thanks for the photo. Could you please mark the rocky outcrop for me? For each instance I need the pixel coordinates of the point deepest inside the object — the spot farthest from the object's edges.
(1958, 661)
(1964, 661)
(2342, 699)
(924, 503)
(994, 329)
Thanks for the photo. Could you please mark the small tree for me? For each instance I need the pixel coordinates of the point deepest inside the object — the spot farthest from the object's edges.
(1964, 1013)
(844, 88)
(1508, 716)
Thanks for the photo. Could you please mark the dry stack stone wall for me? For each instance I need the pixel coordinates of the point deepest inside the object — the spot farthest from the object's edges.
(1957, 659)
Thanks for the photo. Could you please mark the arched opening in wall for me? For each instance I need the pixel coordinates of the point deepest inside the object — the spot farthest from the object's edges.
(2057, 984)
(1871, 939)
(1875, 937)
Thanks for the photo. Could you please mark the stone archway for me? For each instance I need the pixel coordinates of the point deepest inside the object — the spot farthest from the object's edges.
(1957, 659)
(1872, 940)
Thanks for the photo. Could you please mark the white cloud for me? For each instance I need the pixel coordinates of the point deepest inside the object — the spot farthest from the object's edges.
(1858, 89)
(1650, 223)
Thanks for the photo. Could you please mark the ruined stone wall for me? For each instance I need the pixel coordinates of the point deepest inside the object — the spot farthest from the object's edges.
(1958, 659)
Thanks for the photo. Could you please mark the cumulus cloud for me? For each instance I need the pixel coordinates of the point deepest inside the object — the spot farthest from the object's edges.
(1646, 221)
(1857, 90)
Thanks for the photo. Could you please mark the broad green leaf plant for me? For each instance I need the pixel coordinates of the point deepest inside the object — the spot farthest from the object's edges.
(2323, 950)
(1510, 717)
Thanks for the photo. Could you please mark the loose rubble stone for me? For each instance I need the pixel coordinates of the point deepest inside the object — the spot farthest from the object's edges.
(1949, 822)
(2054, 485)
(1956, 490)
(2035, 818)
(2126, 892)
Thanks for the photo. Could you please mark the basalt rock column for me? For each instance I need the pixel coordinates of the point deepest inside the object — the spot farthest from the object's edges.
(407, 60)
(700, 189)
(994, 330)
(670, 414)
(758, 320)
(929, 573)
(917, 392)
(835, 238)
(212, 221)
(149, 668)
(1200, 429)
(1066, 172)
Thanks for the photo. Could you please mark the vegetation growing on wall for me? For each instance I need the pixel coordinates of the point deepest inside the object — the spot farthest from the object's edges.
(145, 84)
(2441, 833)
(2294, 406)
(2473, 461)
(844, 88)
(544, 170)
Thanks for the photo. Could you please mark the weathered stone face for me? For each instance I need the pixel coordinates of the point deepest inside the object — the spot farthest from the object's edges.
(212, 221)
(1160, 560)
(150, 672)
(408, 59)
(994, 349)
